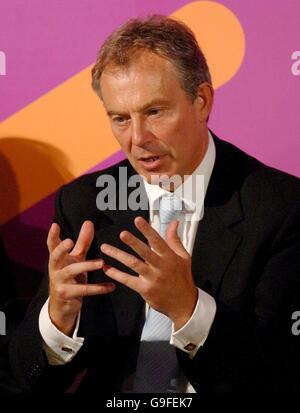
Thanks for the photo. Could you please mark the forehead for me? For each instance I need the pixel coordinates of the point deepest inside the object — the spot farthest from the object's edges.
(147, 74)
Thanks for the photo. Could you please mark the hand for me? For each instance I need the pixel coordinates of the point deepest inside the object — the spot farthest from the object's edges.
(165, 278)
(68, 276)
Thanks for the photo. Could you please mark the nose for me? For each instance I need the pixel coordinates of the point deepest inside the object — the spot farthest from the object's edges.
(140, 134)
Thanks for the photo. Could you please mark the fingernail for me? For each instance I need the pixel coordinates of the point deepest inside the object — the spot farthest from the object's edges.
(139, 220)
(53, 225)
(67, 243)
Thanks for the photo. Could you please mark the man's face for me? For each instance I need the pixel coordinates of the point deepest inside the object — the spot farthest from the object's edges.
(157, 125)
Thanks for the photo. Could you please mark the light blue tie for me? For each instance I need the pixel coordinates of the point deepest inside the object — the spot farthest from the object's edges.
(157, 368)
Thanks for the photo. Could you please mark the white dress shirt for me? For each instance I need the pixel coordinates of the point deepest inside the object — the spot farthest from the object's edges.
(60, 348)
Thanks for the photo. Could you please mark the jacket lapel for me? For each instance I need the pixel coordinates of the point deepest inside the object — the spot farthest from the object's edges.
(214, 248)
(216, 240)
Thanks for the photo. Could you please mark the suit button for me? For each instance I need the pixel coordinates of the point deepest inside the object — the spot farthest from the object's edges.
(33, 370)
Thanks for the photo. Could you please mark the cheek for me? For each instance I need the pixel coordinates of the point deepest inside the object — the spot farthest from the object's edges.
(165, 131)
(122, 138)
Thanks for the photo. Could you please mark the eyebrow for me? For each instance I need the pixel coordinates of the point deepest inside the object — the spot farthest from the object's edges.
(144, 108)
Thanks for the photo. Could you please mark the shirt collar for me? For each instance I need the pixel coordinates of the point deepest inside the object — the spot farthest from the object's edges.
(187, 191)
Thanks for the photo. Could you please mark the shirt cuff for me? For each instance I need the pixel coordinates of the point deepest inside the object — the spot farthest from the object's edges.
(59, 348)
(193, 334)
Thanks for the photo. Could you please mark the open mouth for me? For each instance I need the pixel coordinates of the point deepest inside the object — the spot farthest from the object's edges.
(151, 163)
(150, 159)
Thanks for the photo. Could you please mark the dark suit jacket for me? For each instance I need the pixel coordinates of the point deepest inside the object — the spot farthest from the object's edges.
(246, 254)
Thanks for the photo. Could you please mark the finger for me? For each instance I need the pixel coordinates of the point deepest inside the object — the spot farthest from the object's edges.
(56, 259)
(128, 280)
(127, 259)
(143, 250)
(53, 238)
(152, 236)
(75, 269)
(84, 240)
(173, 240)
(75, 291)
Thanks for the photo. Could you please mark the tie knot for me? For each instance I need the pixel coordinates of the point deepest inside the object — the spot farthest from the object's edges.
(170, 207)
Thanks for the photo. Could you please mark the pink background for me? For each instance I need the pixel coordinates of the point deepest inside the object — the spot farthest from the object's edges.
(46, 42)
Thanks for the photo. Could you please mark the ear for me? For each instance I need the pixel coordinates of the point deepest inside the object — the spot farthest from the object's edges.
(204, 101)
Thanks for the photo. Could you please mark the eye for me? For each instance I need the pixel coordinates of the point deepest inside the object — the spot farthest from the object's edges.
(154, 111)
(120, 120)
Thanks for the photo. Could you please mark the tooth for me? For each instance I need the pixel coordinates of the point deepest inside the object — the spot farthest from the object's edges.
(153, 158)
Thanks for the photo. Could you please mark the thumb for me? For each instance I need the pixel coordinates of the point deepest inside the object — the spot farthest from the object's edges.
(173, 240)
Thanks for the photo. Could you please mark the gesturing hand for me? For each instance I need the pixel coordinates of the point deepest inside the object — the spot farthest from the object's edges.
(165, 278)
(68, 276)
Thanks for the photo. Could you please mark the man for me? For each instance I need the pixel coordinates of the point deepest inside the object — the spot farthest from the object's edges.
(224, 284)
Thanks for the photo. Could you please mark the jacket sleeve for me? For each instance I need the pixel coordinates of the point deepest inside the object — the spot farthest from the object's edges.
(28, 360)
